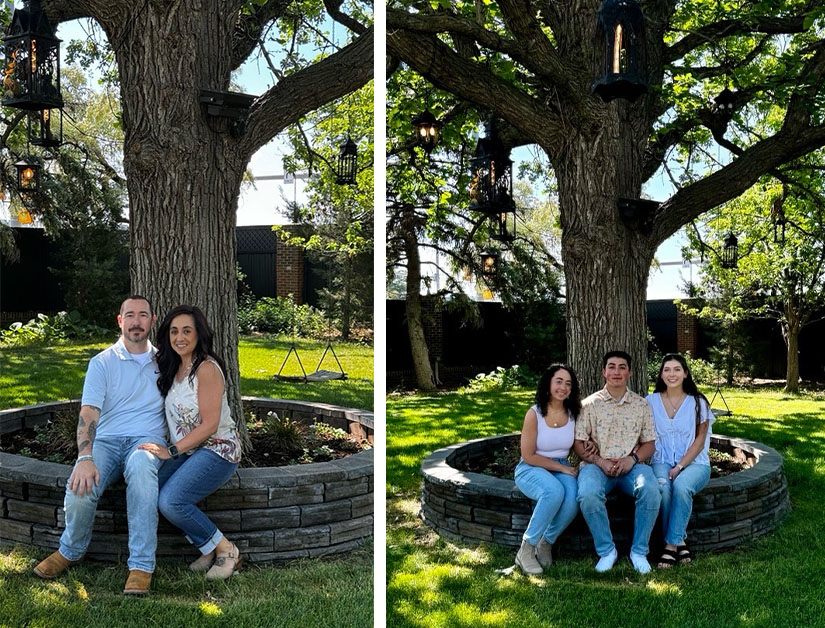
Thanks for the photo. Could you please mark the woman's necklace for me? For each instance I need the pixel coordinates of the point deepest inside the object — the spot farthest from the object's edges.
(561, 416)
(674, 407)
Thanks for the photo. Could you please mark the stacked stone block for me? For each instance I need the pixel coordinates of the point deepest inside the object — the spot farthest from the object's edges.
(273, 514)
(472, 508)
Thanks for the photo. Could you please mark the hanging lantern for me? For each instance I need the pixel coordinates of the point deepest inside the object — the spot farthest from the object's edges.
(427, 130)
(620, 51)
(491, 189)
(31, 75)
(28, 176)
(46, 128)
(24, 217)
(730, 252)
(347, 163)
(489, 264)
(503, 225)
(724, 103)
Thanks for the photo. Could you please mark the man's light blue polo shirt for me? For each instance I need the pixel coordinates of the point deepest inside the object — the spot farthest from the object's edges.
(126, 393)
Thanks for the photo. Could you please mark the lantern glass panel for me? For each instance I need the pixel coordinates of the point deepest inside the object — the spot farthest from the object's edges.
(46, 128)
(31, 74)
(28, 176)
(428, 130)
(489, 264)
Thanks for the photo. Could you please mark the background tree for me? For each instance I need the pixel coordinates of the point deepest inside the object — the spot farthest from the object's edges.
(431, 226)
(781, 270)
(336, 222)
(529, 63)
(183, 167)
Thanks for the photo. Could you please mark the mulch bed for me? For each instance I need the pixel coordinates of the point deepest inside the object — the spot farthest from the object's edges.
(501, 462)
(294, 444)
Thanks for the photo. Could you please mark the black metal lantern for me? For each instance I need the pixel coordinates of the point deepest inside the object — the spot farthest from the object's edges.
(491, 189)
(347, 163)
(28, 177)
(730, 252)
(31, 75)
(46, 128)
(723, 103)
(427, 130)
(489, 264)
(503, 225)
(620, 51)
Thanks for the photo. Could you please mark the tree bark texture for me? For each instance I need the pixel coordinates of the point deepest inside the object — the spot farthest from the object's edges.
(791, 329)
(183, 167)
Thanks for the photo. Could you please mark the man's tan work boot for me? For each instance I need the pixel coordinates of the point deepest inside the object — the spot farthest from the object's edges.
(138, 582)
(53, 566)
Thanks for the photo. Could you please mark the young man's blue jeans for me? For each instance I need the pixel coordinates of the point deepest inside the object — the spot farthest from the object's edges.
(677, 498)
(555, 497)
(594, 487)
(186, 481)
(116, 457)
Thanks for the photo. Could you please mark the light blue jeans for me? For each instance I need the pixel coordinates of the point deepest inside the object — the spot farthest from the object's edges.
(116, 457)
(186, 481)
(555, 497)
(677, 498)
(594, 487)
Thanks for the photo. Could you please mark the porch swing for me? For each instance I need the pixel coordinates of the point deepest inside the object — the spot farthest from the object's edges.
(319, 375)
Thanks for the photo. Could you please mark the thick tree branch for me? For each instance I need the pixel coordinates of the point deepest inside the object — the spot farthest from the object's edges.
(732, 180)
(333, 8)
(445, 69)
(290, 99)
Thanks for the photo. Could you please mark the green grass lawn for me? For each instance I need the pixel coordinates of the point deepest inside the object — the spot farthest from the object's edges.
(330, 593)
(775, 581)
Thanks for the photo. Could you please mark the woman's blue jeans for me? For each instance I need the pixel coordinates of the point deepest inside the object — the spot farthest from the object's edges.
(677, 498)
(186, 481)
(555, 497)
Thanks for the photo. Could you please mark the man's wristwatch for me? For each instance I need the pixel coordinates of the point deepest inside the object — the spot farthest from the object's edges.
(173, 451)
(635, 457)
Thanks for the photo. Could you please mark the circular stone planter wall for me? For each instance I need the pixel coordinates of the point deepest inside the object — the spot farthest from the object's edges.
(473, 508)
(273, 514)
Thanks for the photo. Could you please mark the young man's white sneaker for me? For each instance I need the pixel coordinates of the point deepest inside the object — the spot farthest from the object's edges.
(640, 563)
(606, 562)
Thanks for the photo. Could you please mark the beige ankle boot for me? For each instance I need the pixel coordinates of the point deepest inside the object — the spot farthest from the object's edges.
(526, 559)
(544, 553)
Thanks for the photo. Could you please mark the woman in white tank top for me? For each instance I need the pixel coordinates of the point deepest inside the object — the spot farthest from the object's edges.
(544, 475)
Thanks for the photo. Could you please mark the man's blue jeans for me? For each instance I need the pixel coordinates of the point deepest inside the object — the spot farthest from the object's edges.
(186, 481)
(677, 498)
(555, 497)
(594, 486)
(116, 457)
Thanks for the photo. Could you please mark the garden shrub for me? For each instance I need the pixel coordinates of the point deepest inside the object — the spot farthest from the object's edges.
(281, 316)
(502, 379)
(60, 327)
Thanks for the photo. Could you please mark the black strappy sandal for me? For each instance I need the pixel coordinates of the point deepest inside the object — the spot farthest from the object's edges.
(667, 559)
(684, 555)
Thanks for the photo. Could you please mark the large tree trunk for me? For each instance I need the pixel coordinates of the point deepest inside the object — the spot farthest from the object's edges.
(791, 331)
(183, 171)
(606, 264)
(415, 321)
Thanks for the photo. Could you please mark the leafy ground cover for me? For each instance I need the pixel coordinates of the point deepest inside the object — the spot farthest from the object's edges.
(775, 581)
(332, 592)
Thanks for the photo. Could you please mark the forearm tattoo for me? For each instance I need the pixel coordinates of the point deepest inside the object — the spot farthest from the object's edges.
(86, 434)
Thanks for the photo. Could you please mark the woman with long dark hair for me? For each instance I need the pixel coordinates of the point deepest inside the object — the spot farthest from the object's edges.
(544, 474)
(680, 462)
(205, 449)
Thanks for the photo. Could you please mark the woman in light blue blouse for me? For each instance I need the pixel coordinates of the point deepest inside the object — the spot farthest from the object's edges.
(680, 462)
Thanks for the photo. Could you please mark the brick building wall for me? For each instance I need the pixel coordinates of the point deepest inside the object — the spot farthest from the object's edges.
(687, 333)
(289, 271)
